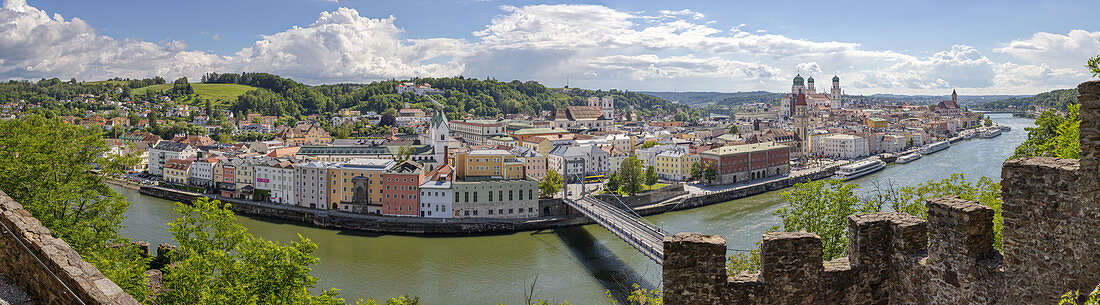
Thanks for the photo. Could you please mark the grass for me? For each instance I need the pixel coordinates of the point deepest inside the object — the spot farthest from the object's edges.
(645, 188)
(221, 94)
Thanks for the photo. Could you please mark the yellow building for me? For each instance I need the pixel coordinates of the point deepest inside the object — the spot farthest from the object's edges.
(488, 163)
(876, 122)
(304, 134)
(342, 181)
(674, 164)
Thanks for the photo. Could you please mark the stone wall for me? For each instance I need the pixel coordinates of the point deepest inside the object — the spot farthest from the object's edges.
(1051, 238)
(28, 246)
(647, 198)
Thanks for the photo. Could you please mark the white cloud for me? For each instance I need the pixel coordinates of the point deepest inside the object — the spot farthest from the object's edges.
(34, 44)
(1056, 50)
(344, 46)
(589, 44)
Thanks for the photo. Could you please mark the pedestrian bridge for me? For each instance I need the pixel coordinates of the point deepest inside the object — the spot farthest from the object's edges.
(625, 224)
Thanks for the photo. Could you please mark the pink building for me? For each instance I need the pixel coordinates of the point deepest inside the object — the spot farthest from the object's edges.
(401, 187)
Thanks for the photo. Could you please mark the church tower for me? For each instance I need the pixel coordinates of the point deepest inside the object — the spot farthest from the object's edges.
(801, 120)
(836, 93)
(441, 137)
(954, 96)
(798, 85)
(607, 105)
(810, 85)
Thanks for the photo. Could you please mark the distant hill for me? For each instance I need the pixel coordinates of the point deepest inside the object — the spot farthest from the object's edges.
(699, 99)
(1057, 99)
(964, 100)
(460, 96)
(221, 94)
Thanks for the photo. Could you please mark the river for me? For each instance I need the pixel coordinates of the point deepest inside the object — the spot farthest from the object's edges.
(577, 264)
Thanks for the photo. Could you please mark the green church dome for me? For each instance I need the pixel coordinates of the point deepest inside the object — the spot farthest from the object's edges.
(798, 80)
(836, 79)
(810, 80)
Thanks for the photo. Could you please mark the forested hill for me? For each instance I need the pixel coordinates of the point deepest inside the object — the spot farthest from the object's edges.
(1057, 99)
(703, 98)
(284, 97)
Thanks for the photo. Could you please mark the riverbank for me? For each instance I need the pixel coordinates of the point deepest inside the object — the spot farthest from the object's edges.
(666, 199)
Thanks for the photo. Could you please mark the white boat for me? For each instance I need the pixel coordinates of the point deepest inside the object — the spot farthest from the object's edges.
(1004, 128)
(859, 169)
(991, 133)
(934, 147)
(907, 158)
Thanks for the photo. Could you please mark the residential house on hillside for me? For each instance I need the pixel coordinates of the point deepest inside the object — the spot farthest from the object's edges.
(304, 134)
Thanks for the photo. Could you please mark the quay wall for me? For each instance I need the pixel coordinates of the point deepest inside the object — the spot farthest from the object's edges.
(555, 213)
(46, 267)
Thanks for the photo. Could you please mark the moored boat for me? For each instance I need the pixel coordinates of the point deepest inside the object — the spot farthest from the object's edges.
(908, 158)
(859, 169)
(935, 147)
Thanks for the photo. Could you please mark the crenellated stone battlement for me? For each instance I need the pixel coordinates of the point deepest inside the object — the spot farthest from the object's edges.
(1051, 238)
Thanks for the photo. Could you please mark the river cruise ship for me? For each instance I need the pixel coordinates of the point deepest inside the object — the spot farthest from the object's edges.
(859, 169)
(907, 158)
(990, 133)
(934, 147)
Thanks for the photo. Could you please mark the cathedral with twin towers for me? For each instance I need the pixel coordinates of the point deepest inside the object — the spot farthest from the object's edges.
(814, 99)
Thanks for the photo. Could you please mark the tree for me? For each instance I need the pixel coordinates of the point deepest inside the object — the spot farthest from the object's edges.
(649, 144)
(550, 184)
(1055, 135)
(47, 166)
(710, 174)
(632, 175)
(650, 175)
(1093, 65)
(734, 129)
(696, 171)
(219, 262)
(987, 122)
(912, 199)
(823, 207)
(613, 183)
(403, 153)
(387, 120)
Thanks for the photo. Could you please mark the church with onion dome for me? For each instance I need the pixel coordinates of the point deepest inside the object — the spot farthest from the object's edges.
(814, 99)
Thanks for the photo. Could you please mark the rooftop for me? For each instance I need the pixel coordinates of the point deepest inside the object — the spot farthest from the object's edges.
(745, 148)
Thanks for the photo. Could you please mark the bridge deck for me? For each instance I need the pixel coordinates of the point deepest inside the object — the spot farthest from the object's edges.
(625, 225)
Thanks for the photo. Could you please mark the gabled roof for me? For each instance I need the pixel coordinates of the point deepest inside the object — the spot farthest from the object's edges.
(171, 146)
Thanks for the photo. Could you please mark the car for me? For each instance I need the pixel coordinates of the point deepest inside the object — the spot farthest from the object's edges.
(570, 193)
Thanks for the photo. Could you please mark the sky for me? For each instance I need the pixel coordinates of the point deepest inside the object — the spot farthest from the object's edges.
(896, 47)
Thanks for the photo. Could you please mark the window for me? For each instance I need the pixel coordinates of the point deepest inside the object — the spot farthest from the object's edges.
(510, 198)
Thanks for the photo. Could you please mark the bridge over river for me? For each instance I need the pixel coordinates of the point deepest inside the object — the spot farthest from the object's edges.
(625, 224)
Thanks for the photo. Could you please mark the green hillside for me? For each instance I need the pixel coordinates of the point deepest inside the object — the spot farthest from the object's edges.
(226, 93)
(1057, 99)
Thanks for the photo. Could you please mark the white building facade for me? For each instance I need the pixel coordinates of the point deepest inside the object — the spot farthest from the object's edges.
(845, 146)
(311, 184)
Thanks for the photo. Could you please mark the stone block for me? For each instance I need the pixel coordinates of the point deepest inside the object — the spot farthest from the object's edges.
(960, 226)
(694, 268)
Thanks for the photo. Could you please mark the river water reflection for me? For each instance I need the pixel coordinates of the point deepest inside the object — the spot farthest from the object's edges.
(577, 264)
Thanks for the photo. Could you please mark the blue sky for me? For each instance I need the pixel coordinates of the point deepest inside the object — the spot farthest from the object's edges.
(981, 47)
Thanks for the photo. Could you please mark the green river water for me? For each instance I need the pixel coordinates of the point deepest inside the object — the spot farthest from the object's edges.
(577, 264)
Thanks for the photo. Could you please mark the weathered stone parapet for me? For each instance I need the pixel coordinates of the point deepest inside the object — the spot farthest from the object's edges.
(792, 260)
(962, 266)
(20, 257)
(1089, 101)
(1051, 225)
(960, 227)
(694, 269)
